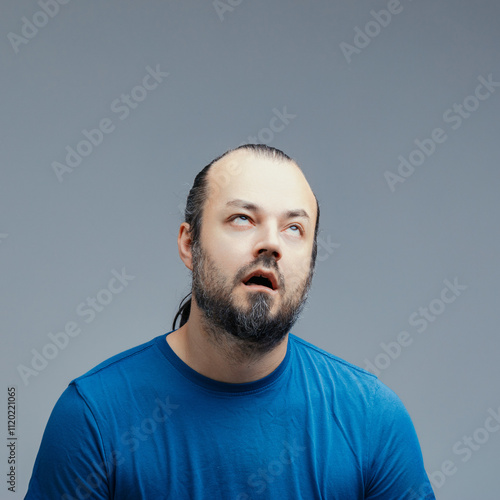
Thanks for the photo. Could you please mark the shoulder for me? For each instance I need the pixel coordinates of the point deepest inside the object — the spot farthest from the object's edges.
(376, 423)
(329, 364)
(128, 356)
(116, 372)
(341, 375)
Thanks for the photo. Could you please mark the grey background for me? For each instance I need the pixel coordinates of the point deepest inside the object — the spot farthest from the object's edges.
(384, 254)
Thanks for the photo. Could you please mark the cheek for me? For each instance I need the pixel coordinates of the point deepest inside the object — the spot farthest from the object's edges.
(296, 274)
(229, 254)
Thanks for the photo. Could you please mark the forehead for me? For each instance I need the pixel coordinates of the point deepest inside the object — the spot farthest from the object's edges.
(274, 185)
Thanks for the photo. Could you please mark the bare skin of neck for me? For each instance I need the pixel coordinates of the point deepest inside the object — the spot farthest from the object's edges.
(220, 357)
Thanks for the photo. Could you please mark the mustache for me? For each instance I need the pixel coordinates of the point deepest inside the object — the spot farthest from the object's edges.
(264, 261)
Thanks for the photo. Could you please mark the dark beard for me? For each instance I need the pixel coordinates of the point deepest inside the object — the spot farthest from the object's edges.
(254, 330)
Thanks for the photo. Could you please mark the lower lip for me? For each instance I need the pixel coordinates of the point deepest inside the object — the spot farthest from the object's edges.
(259, 288)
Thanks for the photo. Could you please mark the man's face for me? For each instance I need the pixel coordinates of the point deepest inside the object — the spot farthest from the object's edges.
(252, 266)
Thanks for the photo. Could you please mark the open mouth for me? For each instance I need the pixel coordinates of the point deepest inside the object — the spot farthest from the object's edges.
(261, 279)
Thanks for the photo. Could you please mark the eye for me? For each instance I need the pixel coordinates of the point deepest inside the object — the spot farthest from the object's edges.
(240, 220)
(294, 229)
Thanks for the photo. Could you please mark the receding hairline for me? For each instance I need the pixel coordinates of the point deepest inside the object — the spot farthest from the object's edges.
(270, 155)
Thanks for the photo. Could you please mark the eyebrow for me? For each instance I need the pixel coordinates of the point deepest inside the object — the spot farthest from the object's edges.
(289, 214)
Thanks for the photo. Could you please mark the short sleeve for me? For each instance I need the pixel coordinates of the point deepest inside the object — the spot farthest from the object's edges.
(70, 463)
(396, 468)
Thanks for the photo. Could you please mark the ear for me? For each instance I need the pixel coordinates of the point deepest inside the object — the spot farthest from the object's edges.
(184, 244)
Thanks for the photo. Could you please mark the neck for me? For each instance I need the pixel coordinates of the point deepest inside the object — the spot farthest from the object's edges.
(220, 356)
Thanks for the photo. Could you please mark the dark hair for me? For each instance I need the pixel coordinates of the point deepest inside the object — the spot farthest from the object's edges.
(197, 196)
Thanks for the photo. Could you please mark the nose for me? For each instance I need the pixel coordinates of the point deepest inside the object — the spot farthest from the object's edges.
(268, 243)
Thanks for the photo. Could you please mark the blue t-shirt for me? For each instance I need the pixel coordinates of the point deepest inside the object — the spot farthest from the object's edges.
(144, 425)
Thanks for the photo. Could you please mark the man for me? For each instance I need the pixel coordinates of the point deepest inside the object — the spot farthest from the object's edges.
(231, 405)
